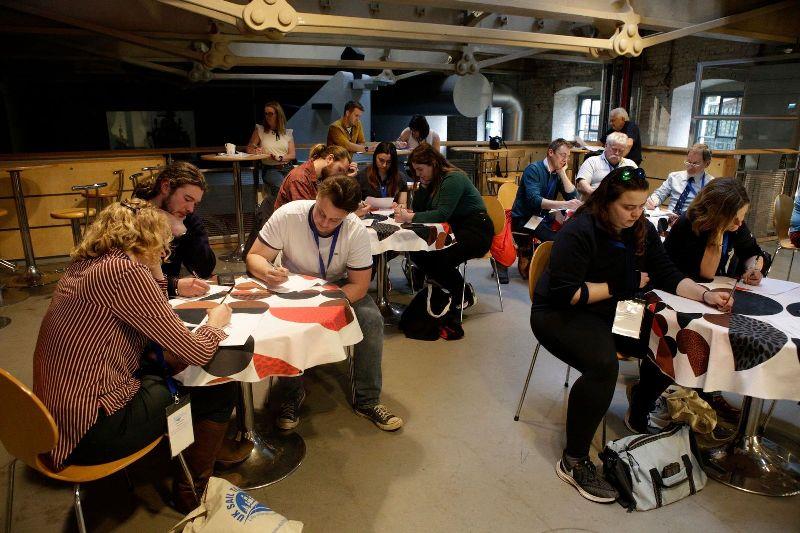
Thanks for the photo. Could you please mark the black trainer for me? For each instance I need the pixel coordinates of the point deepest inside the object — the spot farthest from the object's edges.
(583, 476)
(470, 298)
(289, 417)
(379, 415)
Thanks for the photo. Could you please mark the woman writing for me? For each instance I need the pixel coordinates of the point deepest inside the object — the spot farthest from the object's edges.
(418, 132)
(446, 194)
(712, 232)
(272, 138)
(606, 253)
(383, 178)
(110, 305)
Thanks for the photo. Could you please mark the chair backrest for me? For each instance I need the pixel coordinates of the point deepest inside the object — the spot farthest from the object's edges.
(782, 214)
(541, 258)
(496, 212)
(27, 428)
(506, 194)
(120, 183)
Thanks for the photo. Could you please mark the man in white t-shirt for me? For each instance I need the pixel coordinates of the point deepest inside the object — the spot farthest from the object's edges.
(594, 169)
(324, 238)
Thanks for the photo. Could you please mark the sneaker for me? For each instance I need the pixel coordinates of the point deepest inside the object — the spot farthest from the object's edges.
(470, 298)
(380, 416)
(583, 476)
(289, 417)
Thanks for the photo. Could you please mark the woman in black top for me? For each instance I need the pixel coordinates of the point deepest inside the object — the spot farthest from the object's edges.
(606, 253)
(702, 240)
(383, 178)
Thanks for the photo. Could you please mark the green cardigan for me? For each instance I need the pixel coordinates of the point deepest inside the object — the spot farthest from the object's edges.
(457, 198)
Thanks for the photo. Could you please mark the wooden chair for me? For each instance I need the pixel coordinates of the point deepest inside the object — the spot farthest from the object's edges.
(781, 216)
(75, 214)
(506, 195)
(28, 432)
(511, 165)
(498, 216)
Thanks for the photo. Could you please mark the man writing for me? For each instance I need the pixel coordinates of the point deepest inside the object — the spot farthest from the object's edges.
(681, 187)
(324, 238)
(594, 169)
(303, 181)
(178, 190)
(347, 132)
(541, 183)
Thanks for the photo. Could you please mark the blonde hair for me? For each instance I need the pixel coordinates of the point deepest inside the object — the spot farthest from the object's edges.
(321, 151)
(280, 118)
(134, 226)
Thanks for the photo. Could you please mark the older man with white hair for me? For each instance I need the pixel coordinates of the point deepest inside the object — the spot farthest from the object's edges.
(619, 121)
(594, 169)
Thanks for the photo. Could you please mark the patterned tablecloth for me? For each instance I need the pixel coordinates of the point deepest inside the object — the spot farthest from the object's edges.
(752, 351)
(271, 334)
(385, 234)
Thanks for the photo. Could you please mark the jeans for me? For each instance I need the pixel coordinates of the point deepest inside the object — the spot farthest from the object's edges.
(143, 419)
(273, 178)
(367, 357)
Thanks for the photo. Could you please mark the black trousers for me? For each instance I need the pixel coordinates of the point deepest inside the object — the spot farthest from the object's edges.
(584, 341)
(144, 418)
(473, 239)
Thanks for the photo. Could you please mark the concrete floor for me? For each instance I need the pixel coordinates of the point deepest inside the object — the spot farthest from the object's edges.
(460, 463)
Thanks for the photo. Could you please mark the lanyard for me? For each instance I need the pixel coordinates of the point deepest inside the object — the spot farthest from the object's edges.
(323, 269)
(610, 168)
(725, 244)
(384, 190)
(173, 388)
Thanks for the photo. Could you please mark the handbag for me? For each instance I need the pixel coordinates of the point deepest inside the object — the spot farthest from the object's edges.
(424, 316)
(651, 471)
(503, 249)
(225, 508)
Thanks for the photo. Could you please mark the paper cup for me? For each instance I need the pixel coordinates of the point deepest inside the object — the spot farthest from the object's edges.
(230, 148)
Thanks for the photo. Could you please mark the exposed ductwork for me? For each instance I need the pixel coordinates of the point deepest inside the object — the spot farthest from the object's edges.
(504, 97)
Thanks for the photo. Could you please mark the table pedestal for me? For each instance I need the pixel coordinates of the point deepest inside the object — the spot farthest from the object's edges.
(32, 277)
(391, 312)
(751, 462)
(235, 256)
(274, 455)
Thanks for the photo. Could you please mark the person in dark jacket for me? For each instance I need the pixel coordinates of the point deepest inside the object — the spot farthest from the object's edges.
(606, 253)
(178, 189)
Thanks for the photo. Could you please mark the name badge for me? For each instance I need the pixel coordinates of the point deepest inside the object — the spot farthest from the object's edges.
(179, 425)
(628, 319)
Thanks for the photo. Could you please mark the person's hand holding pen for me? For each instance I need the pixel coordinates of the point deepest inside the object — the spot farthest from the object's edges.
(401, 214)
(191, 287)
(721, 300)
(275, 275)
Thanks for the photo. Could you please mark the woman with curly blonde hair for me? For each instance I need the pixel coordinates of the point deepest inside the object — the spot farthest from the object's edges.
(108, 310)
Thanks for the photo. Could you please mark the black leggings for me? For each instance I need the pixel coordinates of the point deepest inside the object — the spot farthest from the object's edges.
(473, 239)
(584, 341)
(141, 420)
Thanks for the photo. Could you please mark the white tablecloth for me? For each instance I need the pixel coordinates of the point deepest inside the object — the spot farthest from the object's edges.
(386, 234)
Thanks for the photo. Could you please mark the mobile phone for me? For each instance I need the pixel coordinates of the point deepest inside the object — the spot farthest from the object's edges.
(226, 279)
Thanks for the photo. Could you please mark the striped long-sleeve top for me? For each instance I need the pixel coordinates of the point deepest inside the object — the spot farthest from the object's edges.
(104, 311)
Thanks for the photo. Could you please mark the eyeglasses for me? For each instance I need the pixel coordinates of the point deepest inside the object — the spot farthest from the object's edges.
(691, 164)
(630, 172)
(270, 113)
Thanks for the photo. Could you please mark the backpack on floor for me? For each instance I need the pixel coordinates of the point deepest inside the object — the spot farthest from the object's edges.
(650, 471)
(424, 316)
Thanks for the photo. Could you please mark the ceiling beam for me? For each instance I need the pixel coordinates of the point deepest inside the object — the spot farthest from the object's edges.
(506, 58)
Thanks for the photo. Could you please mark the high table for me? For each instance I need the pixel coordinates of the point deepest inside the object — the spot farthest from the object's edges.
(270, 334)
(32, 277)
(386, 235)
(752, 351)
(236, 255)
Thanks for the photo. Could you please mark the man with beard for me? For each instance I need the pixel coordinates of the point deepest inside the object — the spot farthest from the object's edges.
(594, 169)
(303, 181)
(348, 132)
(178, 189)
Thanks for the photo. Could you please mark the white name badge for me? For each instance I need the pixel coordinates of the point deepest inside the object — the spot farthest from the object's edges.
(179, 425)
(628, 319)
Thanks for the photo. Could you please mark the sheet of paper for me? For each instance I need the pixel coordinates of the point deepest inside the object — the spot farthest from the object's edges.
(771, 287)
(384, 212)
(367, 221)
(380, 203)
(533, 223)
(297, 283)
(684, 305)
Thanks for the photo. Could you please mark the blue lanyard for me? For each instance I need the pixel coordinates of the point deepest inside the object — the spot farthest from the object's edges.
(173, 388)
(725, 244)
(384, 190)
(323, 269)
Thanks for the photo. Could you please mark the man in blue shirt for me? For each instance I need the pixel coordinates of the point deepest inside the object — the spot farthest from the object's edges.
(541, 182)
(794, 223)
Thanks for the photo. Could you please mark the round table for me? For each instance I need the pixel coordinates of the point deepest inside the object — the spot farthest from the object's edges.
(33, 277)
(236, 255)
(298, 330)
(752, 351)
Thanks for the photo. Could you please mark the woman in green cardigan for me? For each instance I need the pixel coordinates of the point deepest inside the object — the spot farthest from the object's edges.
(446, 194)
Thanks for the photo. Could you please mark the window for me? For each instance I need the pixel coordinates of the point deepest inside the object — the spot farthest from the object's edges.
(588, 125)
(720, 134)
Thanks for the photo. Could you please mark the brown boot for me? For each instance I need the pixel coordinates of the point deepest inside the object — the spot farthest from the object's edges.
(200, 456)
(233, 452)
(523, 263)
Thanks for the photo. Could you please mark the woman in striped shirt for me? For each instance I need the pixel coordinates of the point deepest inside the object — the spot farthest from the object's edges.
(110, 305)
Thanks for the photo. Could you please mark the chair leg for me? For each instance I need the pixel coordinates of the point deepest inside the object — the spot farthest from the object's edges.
(464, 288)
(10, 495)
(774, 257)
(604, 431)
(351, 372)
(188, 474)
(79, 509)
(527, 381)
(566, 379)
(497, 280)
(76, 231)
(791, 262)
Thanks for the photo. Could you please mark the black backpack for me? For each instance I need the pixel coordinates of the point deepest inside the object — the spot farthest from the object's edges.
(424, 316)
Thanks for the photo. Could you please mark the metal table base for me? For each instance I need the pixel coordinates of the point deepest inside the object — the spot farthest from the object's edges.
(275, 454)
(391, 312)
(236, 255)
(751, 462)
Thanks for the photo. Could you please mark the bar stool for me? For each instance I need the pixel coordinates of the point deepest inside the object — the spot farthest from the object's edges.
(102, 198)
(75, 214)
(137, 176)
(3, 263)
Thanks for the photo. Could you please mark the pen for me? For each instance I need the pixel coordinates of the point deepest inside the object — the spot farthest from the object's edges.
(735, 283)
